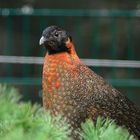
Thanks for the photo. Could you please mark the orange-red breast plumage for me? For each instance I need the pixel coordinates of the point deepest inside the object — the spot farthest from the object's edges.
(70, 88)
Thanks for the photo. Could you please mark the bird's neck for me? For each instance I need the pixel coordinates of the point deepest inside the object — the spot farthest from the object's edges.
(68, 57)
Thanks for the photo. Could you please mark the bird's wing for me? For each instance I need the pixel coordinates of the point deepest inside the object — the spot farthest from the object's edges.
(104, 100)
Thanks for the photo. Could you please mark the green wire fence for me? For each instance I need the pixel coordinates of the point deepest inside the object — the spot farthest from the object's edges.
(98, 34)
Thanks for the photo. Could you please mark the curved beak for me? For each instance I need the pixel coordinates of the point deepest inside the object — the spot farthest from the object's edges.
(42, 40)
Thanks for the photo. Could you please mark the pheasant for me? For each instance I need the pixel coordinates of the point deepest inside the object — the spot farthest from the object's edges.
(73, 90)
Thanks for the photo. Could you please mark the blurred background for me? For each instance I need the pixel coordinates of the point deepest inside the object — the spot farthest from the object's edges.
(106, 36)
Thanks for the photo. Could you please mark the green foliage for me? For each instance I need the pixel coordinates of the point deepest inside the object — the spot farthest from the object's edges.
(22, 121)
(104, 130)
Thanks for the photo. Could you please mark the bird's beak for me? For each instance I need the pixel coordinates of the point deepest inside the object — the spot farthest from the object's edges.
(42, 40)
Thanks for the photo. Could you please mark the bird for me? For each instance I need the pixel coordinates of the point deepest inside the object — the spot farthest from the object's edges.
(76, 92)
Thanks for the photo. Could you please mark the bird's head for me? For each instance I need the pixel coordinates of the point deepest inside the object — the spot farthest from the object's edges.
(55, 40)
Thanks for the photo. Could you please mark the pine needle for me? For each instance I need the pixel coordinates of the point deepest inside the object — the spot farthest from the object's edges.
(104, 129)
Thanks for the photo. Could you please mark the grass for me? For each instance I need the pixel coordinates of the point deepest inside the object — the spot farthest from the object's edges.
(23, 121)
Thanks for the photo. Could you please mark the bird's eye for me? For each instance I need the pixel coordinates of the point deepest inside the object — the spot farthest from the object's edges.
(56, 34)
